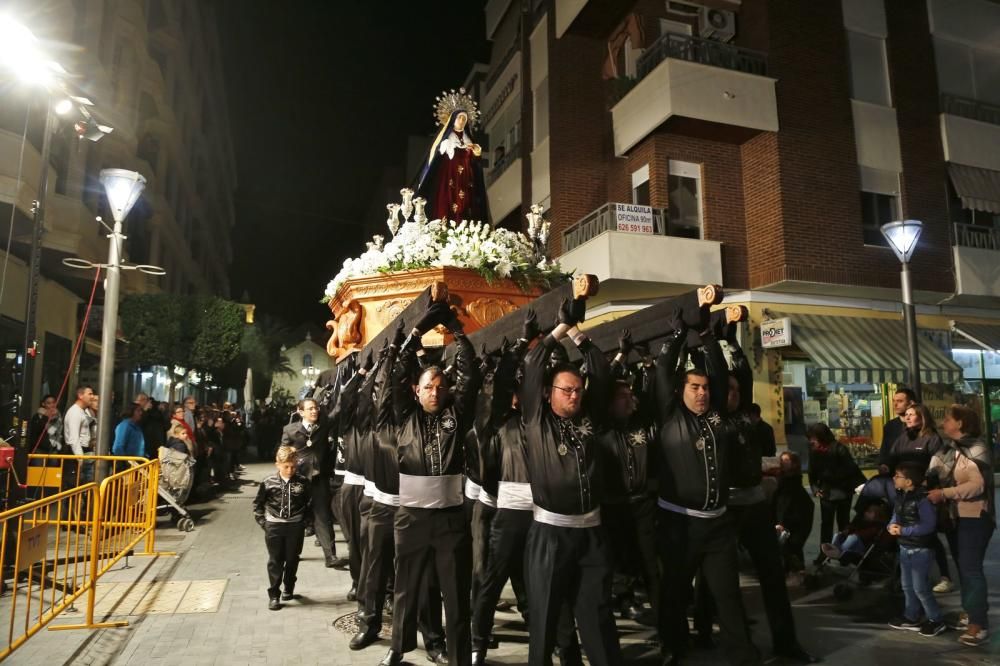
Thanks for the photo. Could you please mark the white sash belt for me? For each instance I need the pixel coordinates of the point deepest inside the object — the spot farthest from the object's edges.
(430, 492)
(488, 499)
(352, 479)
(384, 498)
(592, 519)
(472, 489)
(515, 496)
(369, 488)
(694, 513)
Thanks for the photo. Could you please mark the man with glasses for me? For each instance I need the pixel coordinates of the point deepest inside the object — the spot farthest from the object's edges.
(567, 557)
(310, 437)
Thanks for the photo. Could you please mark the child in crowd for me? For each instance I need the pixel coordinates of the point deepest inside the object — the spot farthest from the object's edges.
(849, 546)
(914, 522)
(283, 509)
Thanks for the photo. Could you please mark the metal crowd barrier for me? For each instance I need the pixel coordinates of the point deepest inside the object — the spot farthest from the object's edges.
(54, 549)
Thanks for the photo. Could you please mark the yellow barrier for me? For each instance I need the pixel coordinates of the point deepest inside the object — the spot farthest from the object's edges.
(65, 542)
(51, 473)
(51, 542)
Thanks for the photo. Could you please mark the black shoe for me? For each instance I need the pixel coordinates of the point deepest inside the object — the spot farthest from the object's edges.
(352, 595)
(338, 563)
(363, 639)
(479, 658)
(391, 658)
(796, 654)
(905, 624)
(273, 604)
(493, 642)
(287, 595)
(932, 628)
(437, 656)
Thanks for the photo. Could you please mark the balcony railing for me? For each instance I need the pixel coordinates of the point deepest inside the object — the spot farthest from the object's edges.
(497, 168)
(601, 220)
(970, 108)
(704, 51)
(973, 235)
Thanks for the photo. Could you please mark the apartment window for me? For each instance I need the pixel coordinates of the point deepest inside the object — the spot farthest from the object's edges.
(541, 107)
(674, 27)
(640, 186)
(879, 203)
(684, 211)
(869, 71)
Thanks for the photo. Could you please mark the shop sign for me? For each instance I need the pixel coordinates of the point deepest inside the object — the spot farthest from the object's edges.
(633, 218)
(776, 333)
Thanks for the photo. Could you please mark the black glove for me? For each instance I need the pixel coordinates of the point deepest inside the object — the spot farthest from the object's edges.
(260, 521)
(310, 529)
(369, 362)
(676, 323)
(625, 342)
(529, 328)
(437, 313)
(572, 312)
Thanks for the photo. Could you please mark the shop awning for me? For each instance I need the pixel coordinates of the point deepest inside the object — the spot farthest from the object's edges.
(859, 350)
(979, 189)
(985, 336)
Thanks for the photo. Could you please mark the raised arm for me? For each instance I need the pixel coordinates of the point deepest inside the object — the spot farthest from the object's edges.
(666, 368)
(718, 373)
(599, 379)
(467, 377)
(532, 392)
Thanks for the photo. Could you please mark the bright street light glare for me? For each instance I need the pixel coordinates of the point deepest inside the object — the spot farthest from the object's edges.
(20, 53)
(63, 107)
(903, 237)
(123, 189)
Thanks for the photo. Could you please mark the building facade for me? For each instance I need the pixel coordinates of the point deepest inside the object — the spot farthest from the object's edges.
(761, 144)
(153, 71)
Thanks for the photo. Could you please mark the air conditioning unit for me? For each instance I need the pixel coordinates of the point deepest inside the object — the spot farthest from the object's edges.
(718, 24)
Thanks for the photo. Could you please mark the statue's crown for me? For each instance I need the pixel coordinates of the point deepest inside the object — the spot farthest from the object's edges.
(452, 101)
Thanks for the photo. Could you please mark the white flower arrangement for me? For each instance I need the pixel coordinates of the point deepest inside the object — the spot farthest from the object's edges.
(493, 253)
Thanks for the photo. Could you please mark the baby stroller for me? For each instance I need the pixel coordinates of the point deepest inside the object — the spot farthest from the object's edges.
(176, 480)
(878, 561)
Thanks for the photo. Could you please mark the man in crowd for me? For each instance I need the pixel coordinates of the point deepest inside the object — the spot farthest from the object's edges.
(902, 399)
(310, 437)
(77, 434)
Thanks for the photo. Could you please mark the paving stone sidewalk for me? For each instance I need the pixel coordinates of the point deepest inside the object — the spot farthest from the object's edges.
(226, 551)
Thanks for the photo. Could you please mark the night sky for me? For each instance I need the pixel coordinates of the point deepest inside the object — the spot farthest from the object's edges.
(321, 97)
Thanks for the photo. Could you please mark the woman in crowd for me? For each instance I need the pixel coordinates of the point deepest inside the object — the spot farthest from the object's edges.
(833, 476)
(964, 470)
(793, 513)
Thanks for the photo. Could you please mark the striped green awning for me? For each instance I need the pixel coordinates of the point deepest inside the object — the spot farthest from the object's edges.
(983, 336)
(859, 350)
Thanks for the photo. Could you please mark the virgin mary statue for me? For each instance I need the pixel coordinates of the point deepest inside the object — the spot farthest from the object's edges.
(452, 178)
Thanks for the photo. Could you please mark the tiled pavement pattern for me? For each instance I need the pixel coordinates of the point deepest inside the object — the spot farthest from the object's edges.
(208, 605)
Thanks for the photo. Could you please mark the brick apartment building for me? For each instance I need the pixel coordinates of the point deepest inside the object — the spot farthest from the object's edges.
(761, 144)
(153, 70)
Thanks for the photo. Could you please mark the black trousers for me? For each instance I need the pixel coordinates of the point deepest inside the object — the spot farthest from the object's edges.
(756, 534)
(323, 514)
(685, 545)
(567, 565)
(435, 540)
(349, 500)
(827, 510)
(482, 519)
(364, 511)
(284, 546)
(508, 536)
(633, 545)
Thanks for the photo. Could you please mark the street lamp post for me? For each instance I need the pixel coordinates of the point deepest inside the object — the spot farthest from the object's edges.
(123, 189)
(902, 237)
